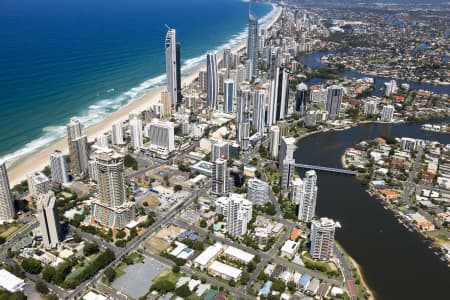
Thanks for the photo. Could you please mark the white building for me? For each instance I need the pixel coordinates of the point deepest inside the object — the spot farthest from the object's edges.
(6, 201)
(370, 108)
(274, 141)
(117, 134)
(286, 163)
(38, 183)
(135, 127)
(48, 220)
(208, 255)
(102, 141)
(161, 134)
(322, 238)
(387, 114)
(10, 282)
(58, 167)
(257, 191)
(308, 197)
(318, 96)
(239, 214)
(259, 110)
(225, 271)
(238, 254)
(220, 150)
(391, 88)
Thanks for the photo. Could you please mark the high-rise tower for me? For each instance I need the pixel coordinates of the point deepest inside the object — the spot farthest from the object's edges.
(212, 80)
(173, 66)
(6, 201)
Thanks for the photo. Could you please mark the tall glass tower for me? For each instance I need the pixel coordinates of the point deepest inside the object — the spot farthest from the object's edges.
(252, 44)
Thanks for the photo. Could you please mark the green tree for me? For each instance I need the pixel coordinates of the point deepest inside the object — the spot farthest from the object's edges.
(177, 188)
(90, 248)
(41, 287)
(120, 243)
(120, 235)
(163, 286)
(31, 265)
(183, 291)
(2, 240)
(48, 273)
(203, 224)
(110, 274)
(278, 285)
(176, 269)
(51, 297)
(130, 162)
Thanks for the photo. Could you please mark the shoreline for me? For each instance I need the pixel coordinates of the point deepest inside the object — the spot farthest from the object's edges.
(38, 160)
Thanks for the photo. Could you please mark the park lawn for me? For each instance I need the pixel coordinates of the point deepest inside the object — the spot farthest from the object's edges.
(9, 229)
(328, 266)
(80, 269)
(168, 275)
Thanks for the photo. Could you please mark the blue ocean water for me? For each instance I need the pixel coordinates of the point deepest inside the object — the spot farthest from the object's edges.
(87, 58)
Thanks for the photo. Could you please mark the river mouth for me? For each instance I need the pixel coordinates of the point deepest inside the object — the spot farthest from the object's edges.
(395, 262)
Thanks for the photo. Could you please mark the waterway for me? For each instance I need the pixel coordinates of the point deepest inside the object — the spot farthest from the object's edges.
(313, 60)
(395, 262)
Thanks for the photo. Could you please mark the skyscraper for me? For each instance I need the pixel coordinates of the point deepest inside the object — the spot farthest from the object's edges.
(212, 80)
(58, 167)
(173, 66)
(166, 103)
(252, 44)
(228, 96)
(334, 100)
(322, 238)
(136, 133)
(286, 162)
(304, 194)
(161, 133)
(227, 60)
(257, 191)
(6, 201)
(300, 98)
(243, 117)
(259, 110)
(220, 177)
(279, 96)
(78, 147)
(111, 209)
(220, 150)
(117, 134)
(48, 219)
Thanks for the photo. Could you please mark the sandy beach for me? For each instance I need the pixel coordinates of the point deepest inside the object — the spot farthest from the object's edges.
(37, 161)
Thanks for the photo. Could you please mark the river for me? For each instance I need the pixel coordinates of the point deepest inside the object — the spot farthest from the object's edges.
(396, 263)
(313, 60)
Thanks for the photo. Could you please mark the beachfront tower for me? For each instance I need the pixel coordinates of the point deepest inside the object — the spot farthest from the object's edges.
(58, 167)
(243, 117)
(322, 238)
(48, 219)
(212, 80)
(304, 194)
(6, 201)
(173, 66)
(252, 44)
(78, 147)
(334, 101)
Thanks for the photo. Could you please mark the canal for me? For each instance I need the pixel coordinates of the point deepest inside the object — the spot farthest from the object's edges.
(395, 262)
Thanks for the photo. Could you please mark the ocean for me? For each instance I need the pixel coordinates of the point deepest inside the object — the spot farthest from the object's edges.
(86, 59)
